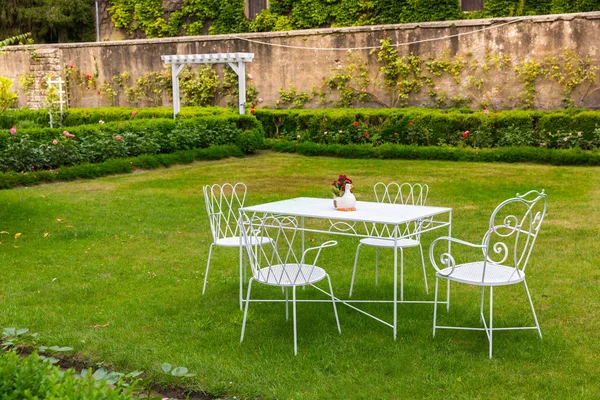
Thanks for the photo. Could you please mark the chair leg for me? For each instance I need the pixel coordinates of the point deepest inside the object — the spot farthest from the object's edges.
(435, 301)
(246, 309)
(481, 307)
(424, 272)
(287, 308)
(337, 319)
(491, 318)
(207, 268)
(533, 310)
(448, 296)
(401, 274)
(354, 270)
(376, 266)
(294, 319)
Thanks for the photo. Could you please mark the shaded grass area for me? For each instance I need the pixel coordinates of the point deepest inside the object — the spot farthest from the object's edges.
(131, 250)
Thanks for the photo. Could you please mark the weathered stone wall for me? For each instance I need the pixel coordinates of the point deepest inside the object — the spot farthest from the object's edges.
(277, 67)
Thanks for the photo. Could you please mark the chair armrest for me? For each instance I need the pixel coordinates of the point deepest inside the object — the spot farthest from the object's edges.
(318, 249)
(446, 259)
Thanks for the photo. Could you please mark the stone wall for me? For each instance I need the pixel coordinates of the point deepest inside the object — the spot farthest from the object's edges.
(276, 67)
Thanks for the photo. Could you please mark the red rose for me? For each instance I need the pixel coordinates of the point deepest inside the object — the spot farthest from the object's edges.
(465, 134)
(410, 123)
(366, 134)
(355, 123)
(252, 111)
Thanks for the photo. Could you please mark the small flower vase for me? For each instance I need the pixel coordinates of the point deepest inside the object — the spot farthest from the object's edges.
(347, 202)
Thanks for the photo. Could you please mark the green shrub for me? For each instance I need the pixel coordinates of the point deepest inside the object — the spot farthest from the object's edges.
(536, 155)
(431, 127)
(44, 148)
(31, 378)
(116, 166)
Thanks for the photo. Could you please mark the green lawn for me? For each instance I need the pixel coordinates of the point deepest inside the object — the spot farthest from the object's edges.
(131, 251)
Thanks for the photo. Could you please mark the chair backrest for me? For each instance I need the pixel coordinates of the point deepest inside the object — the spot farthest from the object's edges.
(274, 251)
(513, 230)
(222, 205)
(405, 193)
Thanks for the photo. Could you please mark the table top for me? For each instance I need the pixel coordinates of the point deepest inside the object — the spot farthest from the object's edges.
(366, 211)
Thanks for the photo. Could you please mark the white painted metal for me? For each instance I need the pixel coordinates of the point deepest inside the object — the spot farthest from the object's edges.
(235, 60)
(277, 263)
(222, 205)
(506, 248)
(61, 101)
(358, 223)
(394, 193)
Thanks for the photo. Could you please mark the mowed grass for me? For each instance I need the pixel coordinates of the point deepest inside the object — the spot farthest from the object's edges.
(129, 252)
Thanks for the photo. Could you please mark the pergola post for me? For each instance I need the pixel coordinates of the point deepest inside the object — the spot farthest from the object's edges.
(237, 62)
(175, 70)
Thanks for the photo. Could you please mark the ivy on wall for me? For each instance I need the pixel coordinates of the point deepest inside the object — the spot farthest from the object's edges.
(410, 78)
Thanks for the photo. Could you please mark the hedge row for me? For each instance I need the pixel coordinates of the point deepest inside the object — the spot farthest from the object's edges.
(429, 127)
(25, 118)
(45, 148)
(395, 151)
(13, 179)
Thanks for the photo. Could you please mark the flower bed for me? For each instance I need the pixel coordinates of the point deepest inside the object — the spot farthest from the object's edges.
(44, 148)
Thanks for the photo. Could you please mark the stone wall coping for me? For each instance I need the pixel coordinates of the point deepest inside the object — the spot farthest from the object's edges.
(316, 32)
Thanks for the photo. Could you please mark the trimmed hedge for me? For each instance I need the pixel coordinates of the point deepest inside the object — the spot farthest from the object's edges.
(431, 127)
(87, 116)
(13, 179)
(394, 151)
(31, 378)
(45, 148)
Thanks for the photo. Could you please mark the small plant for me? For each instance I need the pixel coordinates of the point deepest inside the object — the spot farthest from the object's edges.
(7, 98)
(339, 185)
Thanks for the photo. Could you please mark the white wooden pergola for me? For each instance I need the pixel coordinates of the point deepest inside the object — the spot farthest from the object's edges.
(237, 62)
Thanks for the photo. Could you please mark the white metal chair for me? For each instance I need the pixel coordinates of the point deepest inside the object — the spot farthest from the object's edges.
(506, 248)
(222, 205)
(276, 263)
(394, 193)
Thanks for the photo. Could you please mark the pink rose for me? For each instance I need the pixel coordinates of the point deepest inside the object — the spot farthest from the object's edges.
(486, 112)
(13, 130)
(249, 76)
(260, 100)
(118, 137)
(55, 142)
(566, 138)
(325, 133)
(134, 113)
(579, 134)
(436, 88)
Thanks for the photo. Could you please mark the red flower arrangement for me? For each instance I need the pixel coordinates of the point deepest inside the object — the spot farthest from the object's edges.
(339, 186)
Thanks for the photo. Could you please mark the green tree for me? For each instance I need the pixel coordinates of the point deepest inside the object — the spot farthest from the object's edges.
(48, 20)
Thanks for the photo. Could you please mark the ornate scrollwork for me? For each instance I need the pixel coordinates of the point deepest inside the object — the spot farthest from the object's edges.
(499, 248)
(342, 226)
(448, 261)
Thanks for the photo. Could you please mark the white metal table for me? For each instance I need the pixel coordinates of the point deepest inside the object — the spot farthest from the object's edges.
(371, 219)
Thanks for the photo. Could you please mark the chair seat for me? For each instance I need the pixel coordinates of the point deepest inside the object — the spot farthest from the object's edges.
(290, 274)
(234, 241)
(495, 274)
(389, 243)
